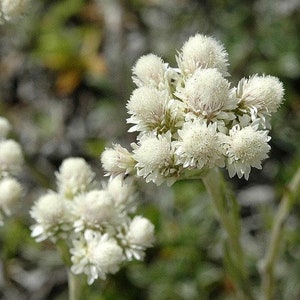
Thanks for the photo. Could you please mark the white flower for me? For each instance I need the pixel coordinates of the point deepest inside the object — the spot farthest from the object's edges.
(147, 107)
(154, 110)
(93, 210)
(150, 70)
(122, 192)
(11, 8)
(260, 93)
(141, 232)
(11, 157)
(10, 193)
(201, 51)
(155, 158)
(4, 127)
(246, 148)
(96, 255)
(136, 235)
(117, 160)
(206, 93)
(199, 146)
(52, 215)
(74, 176)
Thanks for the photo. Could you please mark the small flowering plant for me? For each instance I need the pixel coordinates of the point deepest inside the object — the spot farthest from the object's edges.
(191, 119)
(92, 227)
(190, 122)
(11, 161)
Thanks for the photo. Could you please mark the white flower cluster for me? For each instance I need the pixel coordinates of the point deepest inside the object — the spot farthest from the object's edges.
(190, 118)
(11, 160)
(94, 223)
(10, 9)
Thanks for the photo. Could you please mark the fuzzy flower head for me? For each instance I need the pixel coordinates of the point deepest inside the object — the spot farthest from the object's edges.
(117, 160)
(4, 128)
(135, 236)
(261, 93)
(246, 148)
(51, 213)
(11, 157)
(122, 192)
(74, 176)
(150, 71)
(147, 107)
(201, 51)
(10, 193)
(206, 93)
(93, 210)
(96, 255)
(199, 146)
(155, 158)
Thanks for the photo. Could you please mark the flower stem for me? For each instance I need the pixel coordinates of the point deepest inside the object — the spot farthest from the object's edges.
(227, 210)
(272, 253)
(76, 286)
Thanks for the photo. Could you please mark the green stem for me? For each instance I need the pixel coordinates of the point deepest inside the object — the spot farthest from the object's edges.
(227, 210)
(272, 253)
(76, 284)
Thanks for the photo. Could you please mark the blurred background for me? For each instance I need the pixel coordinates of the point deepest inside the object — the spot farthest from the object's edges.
(65, 77)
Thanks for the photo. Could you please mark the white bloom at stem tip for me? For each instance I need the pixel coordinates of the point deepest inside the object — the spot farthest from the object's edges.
(74, 176)
(141, 232)
(122, 192)
(261, 93)
(117, 160)
(135, 236)
(95, 255)
(201, 51)
(150, 70)
(11, 157)
(246, 148)
(147, 107)
(10, 193)
(4, 127)
(52, 215)
(199, 146)
(93, 210)
(155, 158)
(206, 93)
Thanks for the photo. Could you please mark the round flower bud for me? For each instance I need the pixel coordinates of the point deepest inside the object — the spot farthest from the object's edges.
(206, 92)
(246, 148)
(199, 146)
(122, 191)
(11, 157)
(154, 156)
(4, 127)
(201, 51)
(147, 107)
(74, 176)
(265, 93)
(140, 232)
(117, 160)
(149, 70)
(96, 255)
(50, 209)
(10, 193)
(94, 209)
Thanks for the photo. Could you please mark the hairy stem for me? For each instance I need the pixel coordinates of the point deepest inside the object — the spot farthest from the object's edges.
(227, 210)
(272, 253)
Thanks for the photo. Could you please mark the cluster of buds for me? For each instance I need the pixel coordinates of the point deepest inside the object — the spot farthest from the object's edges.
(190, 119)
(10, 9)
(11, 160)
(95, 223)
